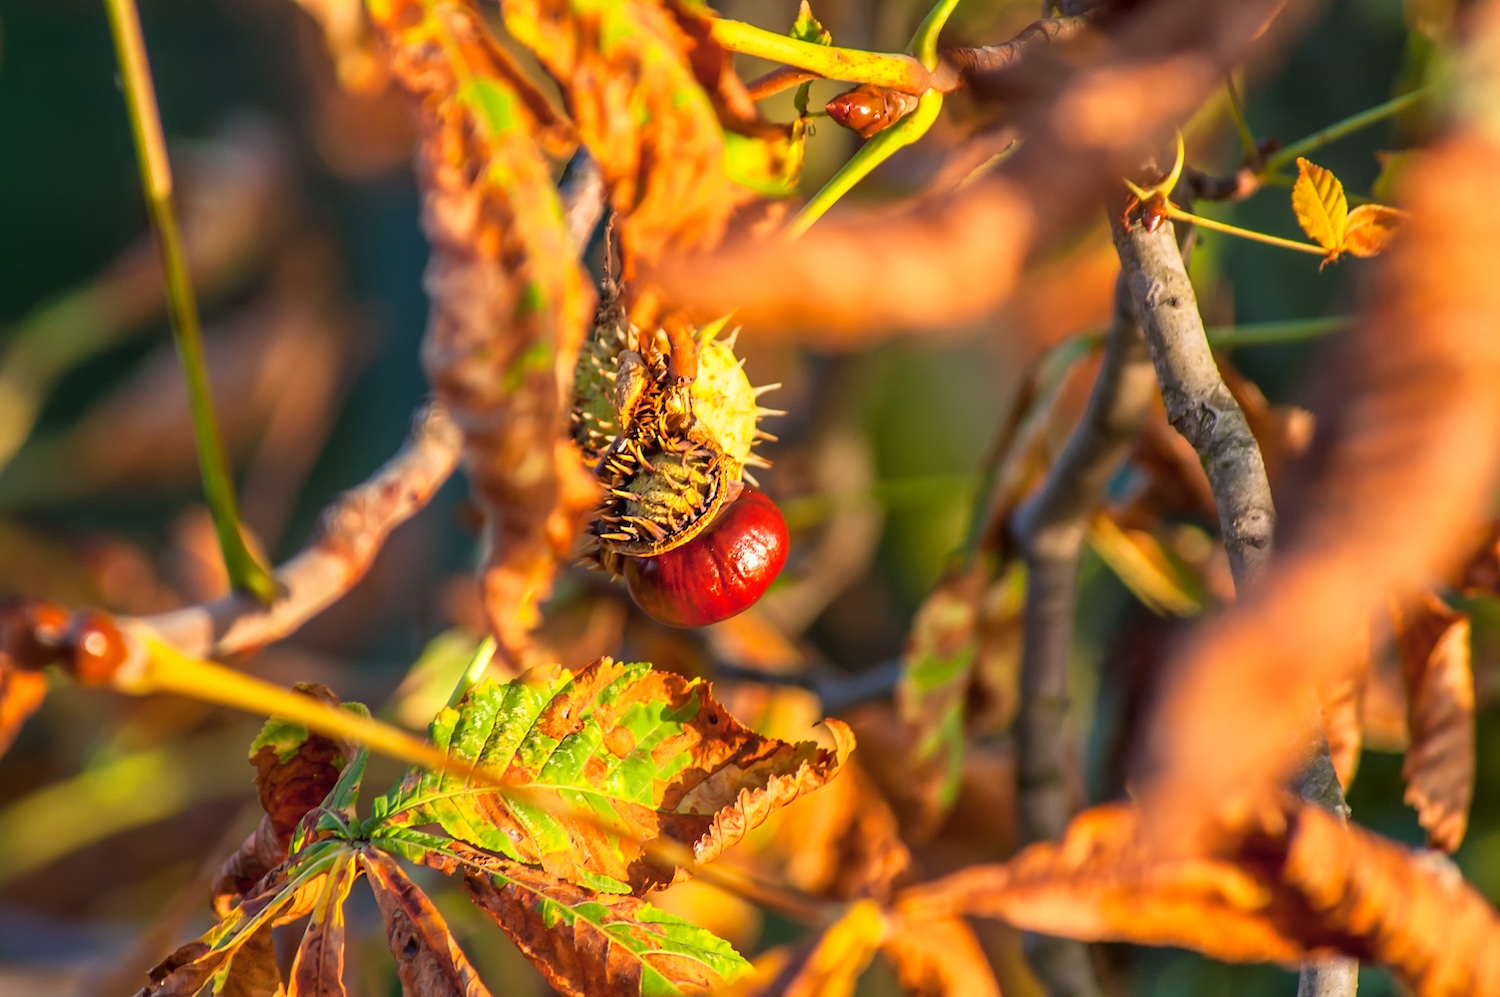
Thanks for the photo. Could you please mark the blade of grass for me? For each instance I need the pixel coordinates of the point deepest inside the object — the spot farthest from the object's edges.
(245, 572)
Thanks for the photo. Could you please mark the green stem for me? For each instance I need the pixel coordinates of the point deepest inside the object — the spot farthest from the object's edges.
(246, 573)
(1263, 333)
(1237, 112)
(1178, 214)
(874, 152)
(1348, 126)
(483, 654)
(924, 42)
(899, 72)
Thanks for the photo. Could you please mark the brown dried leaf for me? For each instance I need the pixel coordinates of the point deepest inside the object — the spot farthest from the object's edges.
(254, 972)
(261, 851)
(1439, 769)
(940, 958)
(510, 303)
(1371, 228)
(294, 768)
(318, 970)
(428, 959)
(1301, 886)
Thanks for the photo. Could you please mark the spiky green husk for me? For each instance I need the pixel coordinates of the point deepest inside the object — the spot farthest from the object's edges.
(670, 472)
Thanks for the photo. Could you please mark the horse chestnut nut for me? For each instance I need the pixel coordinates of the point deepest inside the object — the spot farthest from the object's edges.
(719, 573)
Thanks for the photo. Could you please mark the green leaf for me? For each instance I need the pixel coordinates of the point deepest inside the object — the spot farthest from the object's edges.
(602, 764)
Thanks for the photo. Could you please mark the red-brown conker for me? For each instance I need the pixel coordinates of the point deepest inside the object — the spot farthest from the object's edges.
(719, 573)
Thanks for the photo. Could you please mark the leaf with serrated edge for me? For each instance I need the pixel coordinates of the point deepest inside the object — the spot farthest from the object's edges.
(632, 755)
(1321, 207)
(428, 959)
(1370, 229)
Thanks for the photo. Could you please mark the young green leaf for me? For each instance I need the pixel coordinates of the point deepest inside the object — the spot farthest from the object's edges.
(807, 29)
(622, 756)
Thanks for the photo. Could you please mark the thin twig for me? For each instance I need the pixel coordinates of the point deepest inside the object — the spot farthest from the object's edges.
(1049, 530)
(1202, 409)
(245, 571)
(350, 533)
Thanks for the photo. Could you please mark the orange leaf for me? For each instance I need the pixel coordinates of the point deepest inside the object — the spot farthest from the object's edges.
(940, 958)
(831, 964)
(1321, 207)
(1342, 696)
(1439, 769)
(318, 970)
(1371, 228)
(428, 960)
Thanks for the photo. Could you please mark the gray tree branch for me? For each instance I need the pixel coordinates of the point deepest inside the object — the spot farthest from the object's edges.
(1201, 408)
(1049, 530)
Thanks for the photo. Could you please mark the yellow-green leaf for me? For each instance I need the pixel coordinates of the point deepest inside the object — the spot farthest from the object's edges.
(1321, 207)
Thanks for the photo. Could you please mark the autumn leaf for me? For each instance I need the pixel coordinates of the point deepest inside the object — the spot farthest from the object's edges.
(428, 960)
(1439, 770)
(510, 304)
(1143, 566)
(318, 969)
(1341, 694)
(585, 942)
(631, 755)
(939, 958)
(936, 667)
(657, 131)
(1323, 212)
(830, 963)
(1300, 885)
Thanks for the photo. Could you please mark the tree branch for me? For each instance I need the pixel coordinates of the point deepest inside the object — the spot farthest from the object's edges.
(350, 533)
(1049, 530)
(1200, 407)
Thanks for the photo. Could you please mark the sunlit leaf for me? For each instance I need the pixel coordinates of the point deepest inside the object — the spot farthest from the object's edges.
(629, 754)
(1138, 560)
(1321, 207)
(1371, 228)
(318, 970)
(829, 964)
(428, 959)
(940, 958)
(1439, 769)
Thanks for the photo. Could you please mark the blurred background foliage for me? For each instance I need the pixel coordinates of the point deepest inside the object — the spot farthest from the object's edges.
(112, 812)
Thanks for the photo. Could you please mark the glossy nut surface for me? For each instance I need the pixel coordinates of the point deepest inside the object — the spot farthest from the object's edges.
(719, 573)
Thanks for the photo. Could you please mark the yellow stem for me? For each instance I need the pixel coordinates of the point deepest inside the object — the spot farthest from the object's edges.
(1178, 214)
(899, 72)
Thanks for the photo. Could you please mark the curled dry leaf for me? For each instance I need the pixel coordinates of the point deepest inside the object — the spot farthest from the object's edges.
(629, 755)
(428, 960)
(509, 303)
(1300, 886)
(1433, 640)
(295, 769)
(1341, 693)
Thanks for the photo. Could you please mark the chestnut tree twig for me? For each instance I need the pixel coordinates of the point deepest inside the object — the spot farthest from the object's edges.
(1200, 407)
